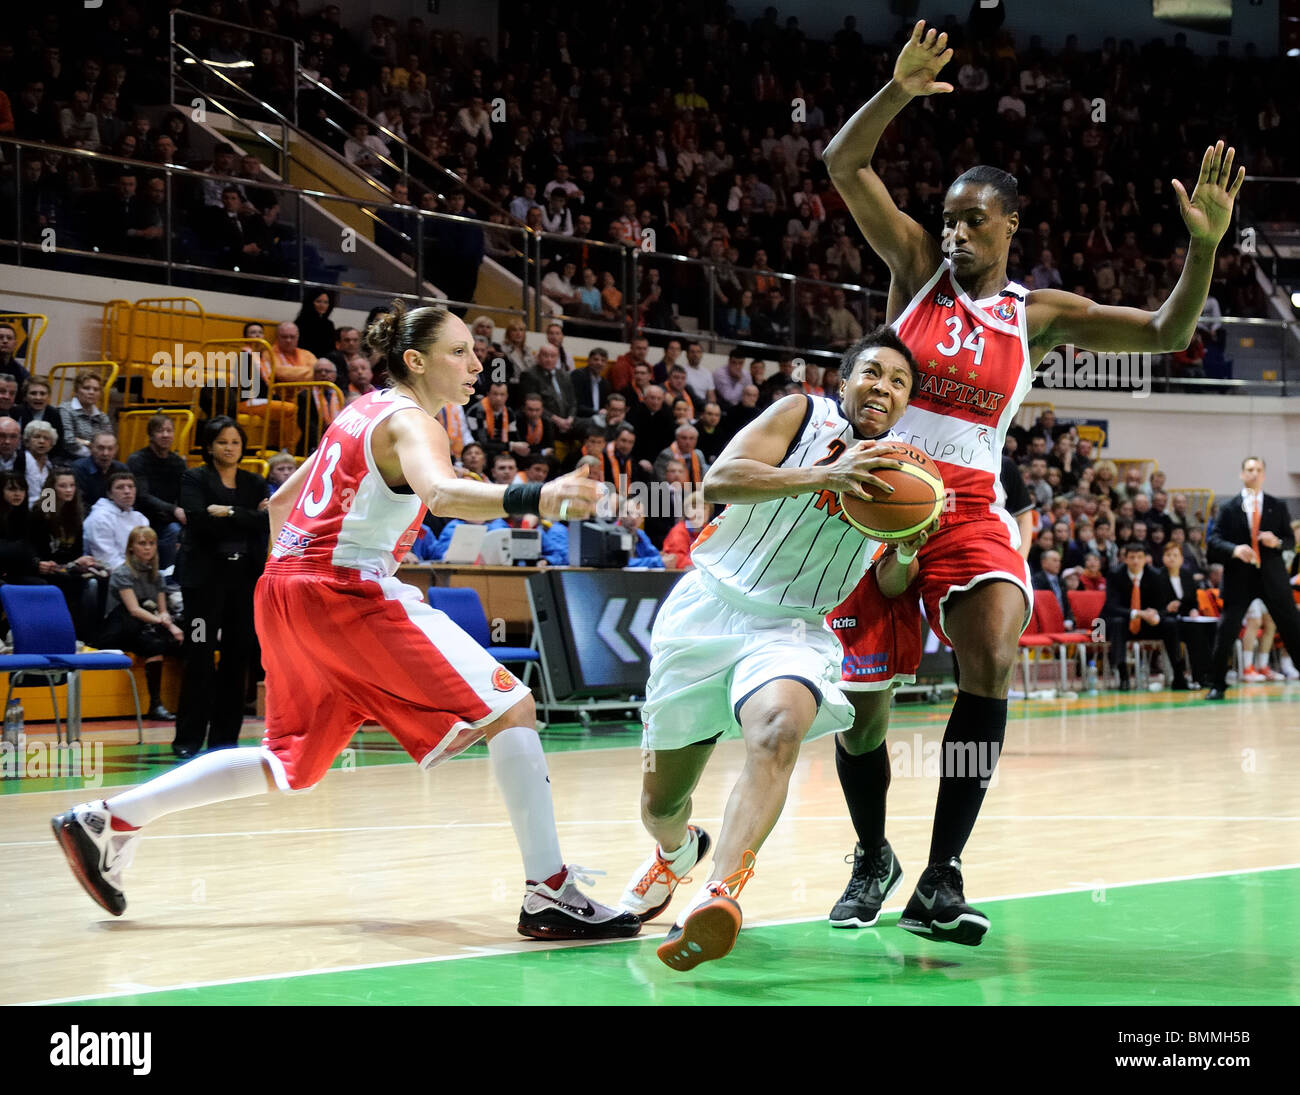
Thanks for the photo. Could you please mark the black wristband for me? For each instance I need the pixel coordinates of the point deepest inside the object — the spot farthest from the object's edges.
(521, 498)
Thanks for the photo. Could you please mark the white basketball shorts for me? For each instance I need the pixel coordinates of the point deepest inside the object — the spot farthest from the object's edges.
(708, 655)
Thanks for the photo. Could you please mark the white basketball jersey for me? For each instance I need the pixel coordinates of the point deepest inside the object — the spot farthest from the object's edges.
(799, 554)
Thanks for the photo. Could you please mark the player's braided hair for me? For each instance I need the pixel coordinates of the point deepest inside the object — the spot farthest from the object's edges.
(395, 331)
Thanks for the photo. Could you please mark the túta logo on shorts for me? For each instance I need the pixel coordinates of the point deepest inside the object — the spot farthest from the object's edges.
(1006, 310)
(503, 680)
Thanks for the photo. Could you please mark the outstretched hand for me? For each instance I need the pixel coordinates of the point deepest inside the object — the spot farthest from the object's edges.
(921, 59)
(1209, 210)
(571, 497)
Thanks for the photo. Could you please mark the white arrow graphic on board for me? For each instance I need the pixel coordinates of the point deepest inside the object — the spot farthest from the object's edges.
(607, 629)
(640, 628)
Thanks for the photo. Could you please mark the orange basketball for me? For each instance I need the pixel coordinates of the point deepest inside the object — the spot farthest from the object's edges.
(917, 499)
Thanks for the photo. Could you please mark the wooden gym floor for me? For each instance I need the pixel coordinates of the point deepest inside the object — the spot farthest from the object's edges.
(1135, 848)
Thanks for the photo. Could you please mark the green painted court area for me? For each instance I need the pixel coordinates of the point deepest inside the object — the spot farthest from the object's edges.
(1219, 940)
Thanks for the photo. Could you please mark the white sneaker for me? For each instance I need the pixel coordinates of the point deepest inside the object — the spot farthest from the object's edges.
(96, 852)
(568, 913)
(651, 887)
(1289, 671)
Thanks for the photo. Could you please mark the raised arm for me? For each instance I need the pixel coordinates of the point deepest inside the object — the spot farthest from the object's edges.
(910, 252)
(1058, 318)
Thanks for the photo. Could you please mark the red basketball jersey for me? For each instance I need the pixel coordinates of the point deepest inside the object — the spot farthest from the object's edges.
(975, 370)
(345, 515)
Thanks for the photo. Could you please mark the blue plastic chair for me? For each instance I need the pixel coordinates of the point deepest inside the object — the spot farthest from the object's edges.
(466, 610)
(42, 627)
(18, 664)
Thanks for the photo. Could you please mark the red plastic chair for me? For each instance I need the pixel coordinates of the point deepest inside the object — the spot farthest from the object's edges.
(1086, 605)
(1032, 639)
(1052, 621)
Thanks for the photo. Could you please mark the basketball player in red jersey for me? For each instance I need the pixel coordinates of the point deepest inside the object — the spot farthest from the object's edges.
(343, 640)
(978, 339)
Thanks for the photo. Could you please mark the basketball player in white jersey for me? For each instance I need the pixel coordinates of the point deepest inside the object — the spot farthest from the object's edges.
(978, 338)
(741, 647)
(344, 641)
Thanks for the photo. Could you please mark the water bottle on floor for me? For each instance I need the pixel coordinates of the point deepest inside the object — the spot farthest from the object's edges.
(13, 723)
(1092, 678)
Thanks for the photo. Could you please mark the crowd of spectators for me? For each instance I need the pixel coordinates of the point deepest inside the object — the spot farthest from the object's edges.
(139, 548)
(706, 131)
(682, 130)
(648, 421)
(1086, 511)
(1097, 529)
(683, 121)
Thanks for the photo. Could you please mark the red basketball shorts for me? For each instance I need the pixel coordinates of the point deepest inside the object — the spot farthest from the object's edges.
(882, 636)
(340, 650)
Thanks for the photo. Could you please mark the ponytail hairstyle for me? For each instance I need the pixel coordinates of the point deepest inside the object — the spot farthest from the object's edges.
(391, 333)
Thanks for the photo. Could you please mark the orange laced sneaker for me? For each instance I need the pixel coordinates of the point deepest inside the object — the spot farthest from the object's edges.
(709, 930)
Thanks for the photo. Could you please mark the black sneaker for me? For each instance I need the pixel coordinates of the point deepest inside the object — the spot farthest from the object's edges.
(96, 852)
(938, 908)
(568, 913)
(875, 877)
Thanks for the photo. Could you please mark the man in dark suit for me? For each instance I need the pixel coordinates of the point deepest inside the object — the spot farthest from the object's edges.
(533, 433)
(652, 419)
(1049, 578)
(589, 383)
(119, 214)
(1180, 593)
(454, 251)
(226, 232)
(95, 471)
(1136, 608)
(1248, 538)
(555, 388)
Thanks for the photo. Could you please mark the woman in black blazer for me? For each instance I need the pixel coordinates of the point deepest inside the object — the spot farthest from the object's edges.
(222, 552)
